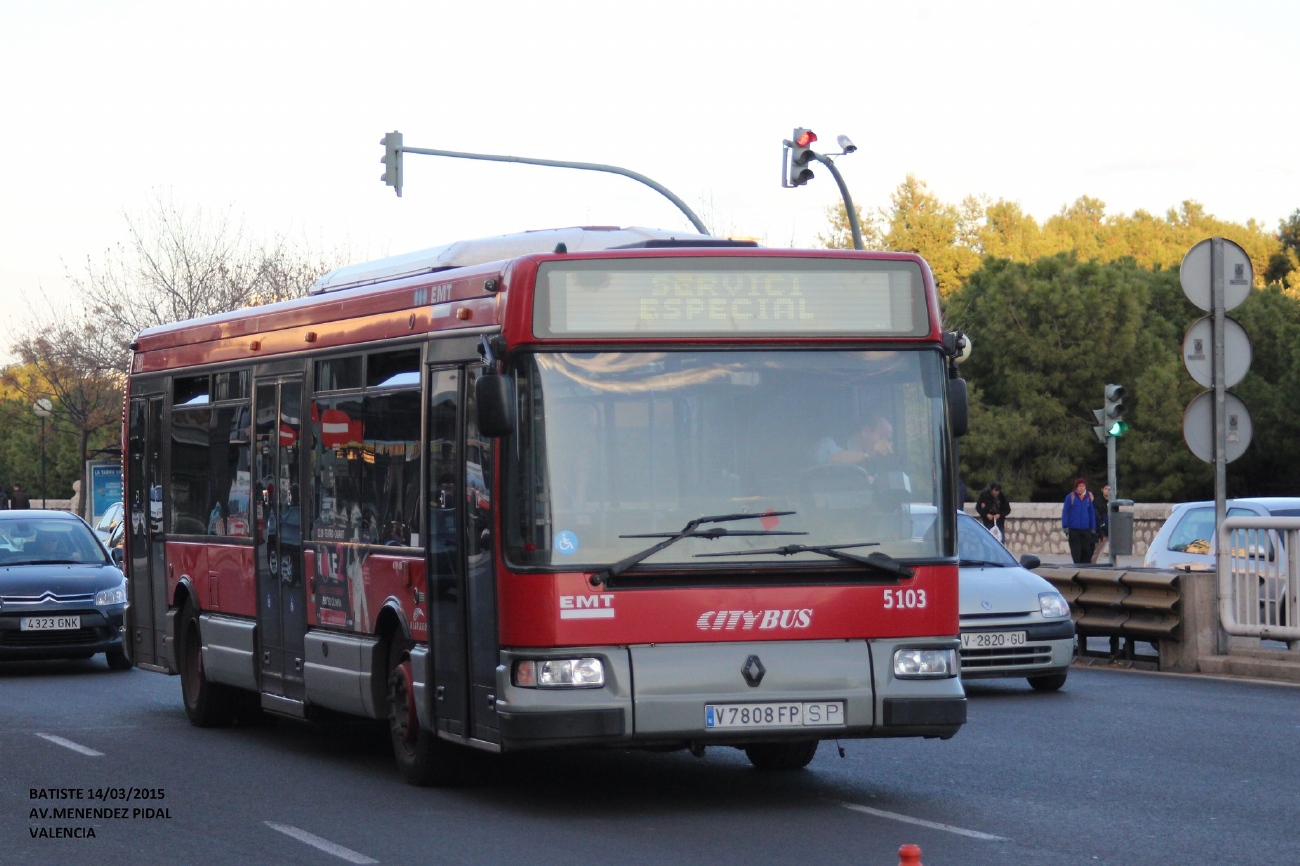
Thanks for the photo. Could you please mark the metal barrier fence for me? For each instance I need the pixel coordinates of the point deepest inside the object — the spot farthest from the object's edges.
(1259, 577)
(1117, 603)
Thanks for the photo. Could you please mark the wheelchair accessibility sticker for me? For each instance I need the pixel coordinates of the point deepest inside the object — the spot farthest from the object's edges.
(566, 543)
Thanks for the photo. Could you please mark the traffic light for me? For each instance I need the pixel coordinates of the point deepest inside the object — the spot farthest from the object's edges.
(1114, 413)
(392, 160)
(1099, 429)
(800, 155)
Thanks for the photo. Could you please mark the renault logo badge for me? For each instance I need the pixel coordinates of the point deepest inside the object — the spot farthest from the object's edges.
(753, 671)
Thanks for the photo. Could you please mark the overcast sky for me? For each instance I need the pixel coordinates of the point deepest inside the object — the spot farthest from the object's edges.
(275, 111)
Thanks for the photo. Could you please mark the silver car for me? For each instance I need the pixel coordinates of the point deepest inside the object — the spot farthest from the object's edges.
(109, 521)
(1186, 540)
(1013, 623)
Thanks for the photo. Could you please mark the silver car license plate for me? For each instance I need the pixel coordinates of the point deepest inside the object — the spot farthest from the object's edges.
(991, 639)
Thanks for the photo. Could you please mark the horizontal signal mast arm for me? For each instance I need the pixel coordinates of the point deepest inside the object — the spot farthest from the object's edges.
(585, 166)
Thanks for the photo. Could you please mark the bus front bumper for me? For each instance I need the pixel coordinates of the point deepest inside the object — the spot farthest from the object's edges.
(690, 695)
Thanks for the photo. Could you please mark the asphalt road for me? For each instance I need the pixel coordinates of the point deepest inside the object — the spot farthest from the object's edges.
(1120, 767)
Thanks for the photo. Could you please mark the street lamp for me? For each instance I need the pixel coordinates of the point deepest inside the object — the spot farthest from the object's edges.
(43, 409)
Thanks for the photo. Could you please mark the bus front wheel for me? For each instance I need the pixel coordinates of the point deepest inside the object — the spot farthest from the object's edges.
(422, 757)
(782, 756)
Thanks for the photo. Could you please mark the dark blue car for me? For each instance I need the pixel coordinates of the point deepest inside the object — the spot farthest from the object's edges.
(61, 595)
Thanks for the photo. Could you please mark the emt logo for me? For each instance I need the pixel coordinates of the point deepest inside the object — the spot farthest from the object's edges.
(599, 606)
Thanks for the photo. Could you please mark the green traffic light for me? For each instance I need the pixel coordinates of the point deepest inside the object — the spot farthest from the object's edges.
(1117, 428)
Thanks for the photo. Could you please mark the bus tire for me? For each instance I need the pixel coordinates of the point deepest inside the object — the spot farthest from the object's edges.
(207, 704)
(1048, 683)
(422, 757)
(782, 756)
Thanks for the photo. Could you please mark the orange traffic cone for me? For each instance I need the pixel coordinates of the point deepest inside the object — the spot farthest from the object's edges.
(909, 855)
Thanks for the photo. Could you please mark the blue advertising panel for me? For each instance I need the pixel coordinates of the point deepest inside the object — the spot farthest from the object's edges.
(105, 487)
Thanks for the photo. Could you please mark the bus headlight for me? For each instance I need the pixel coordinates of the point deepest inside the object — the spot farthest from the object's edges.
(925, 664)
(560, 674)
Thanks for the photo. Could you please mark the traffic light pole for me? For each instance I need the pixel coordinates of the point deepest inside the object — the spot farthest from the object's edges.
(1113, 480)
(584, 166)
(848, 200)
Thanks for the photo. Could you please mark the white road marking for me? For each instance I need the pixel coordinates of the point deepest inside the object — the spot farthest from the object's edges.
(920, 822)
(68, 744)
(321, 844)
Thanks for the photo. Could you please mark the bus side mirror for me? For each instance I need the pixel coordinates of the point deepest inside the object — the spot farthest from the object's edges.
(958, 415)
(494, 397)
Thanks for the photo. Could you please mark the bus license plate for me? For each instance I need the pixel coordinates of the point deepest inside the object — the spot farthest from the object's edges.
(991, 639)
(49, 623)
(775, 715)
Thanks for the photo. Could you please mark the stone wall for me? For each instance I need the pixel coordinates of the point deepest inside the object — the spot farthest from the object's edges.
(52, 504)
(1035, 527)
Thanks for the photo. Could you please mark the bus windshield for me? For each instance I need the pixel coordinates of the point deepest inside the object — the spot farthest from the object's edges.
(616, 444)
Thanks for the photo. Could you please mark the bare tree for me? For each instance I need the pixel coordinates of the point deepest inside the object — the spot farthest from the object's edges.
(179, 263)
(176, 264)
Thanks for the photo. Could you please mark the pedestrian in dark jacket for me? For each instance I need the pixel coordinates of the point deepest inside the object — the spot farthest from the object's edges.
(19, 499)
(1079, 520)
(1102, 506)
(993, 507)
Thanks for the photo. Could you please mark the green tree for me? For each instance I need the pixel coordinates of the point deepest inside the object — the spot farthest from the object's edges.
(20, 447)
(1271, 465)
(1047, 336)
(917, 222)
(1284, 263)
(1008, 232)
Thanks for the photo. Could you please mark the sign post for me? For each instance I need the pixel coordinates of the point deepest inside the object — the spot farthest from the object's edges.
(1216, 276)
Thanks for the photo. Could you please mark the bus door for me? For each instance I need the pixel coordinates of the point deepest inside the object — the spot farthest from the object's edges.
(464, 641)
(147, 588)
(277, 494)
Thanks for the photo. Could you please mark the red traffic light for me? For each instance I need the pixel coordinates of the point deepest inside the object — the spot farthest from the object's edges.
(805, 138)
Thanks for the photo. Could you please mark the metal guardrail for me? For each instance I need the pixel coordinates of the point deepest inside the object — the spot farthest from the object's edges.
(1144, 605)
(1136, 606)
(1259, 577)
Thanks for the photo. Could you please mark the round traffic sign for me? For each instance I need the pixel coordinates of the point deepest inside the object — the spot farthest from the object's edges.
(1198, 427)
(1195, 275)
(1198, 352)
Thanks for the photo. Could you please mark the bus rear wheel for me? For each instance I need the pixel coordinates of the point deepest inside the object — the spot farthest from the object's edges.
(207, 704)
(782, 756)
(422, 757)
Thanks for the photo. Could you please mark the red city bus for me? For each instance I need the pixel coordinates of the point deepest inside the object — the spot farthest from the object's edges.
(586, 487)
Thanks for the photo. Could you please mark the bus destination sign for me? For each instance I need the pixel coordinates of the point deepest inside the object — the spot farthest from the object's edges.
(729, 297)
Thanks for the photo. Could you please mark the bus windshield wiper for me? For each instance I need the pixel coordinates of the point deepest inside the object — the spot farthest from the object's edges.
(880, 561)
(687, 531)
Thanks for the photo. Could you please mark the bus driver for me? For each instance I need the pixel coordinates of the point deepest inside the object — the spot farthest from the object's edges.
(873, 440)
